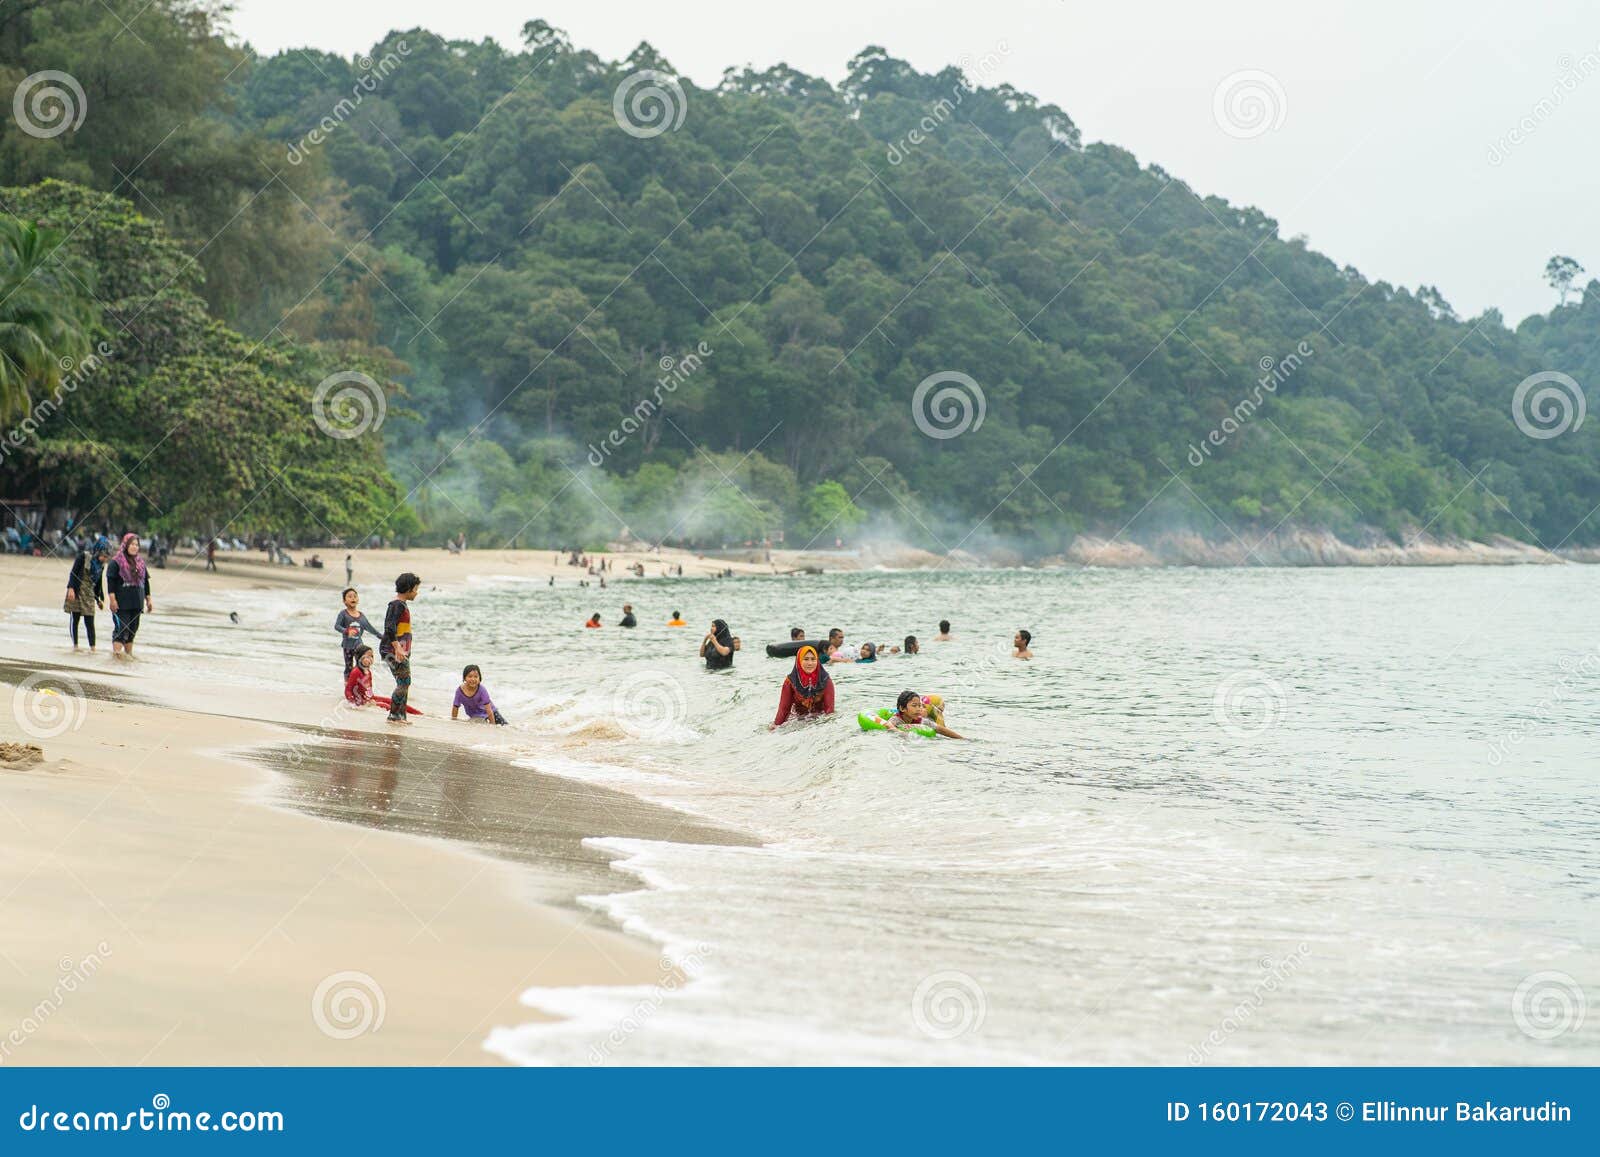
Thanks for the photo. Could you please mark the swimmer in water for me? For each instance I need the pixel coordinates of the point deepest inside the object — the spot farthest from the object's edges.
(594, 621)
(869, 654)
(676, 620)
(912, 647)
(1020, 642)
(910, 711)
(944, 632)
(807, 690)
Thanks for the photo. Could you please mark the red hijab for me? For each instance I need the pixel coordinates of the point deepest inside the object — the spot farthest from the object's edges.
(808, 685)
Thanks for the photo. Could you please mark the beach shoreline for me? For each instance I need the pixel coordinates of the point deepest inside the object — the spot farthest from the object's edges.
(194, 874)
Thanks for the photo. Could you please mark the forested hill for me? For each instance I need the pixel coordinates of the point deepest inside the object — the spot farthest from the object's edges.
(774, 267)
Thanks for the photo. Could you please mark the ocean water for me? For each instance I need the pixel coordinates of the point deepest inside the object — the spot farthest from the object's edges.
(1224, 817)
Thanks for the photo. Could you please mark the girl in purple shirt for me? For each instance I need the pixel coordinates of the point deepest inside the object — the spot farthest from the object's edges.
(473, 697)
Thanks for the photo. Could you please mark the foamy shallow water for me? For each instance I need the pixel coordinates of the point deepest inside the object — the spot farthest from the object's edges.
(1265, 816)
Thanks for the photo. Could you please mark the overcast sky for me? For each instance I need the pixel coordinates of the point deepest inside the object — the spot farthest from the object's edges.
(1387, 142)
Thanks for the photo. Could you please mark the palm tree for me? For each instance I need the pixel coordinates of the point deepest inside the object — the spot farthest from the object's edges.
(45, 318)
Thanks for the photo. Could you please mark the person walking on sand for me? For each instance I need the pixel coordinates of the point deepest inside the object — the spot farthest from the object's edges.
(349, 569)
(211, 553)
(128, 591)
(84, 593)
(395, 645)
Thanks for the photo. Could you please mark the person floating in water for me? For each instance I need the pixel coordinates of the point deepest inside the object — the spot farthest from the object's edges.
(676, 620)
(717, 647)
(807, 690)
(627, 616)
(594, 621)
(912, 647)
(835, 651)
(944, 632)
(350, 623)
(869, 653)
(395, 645)
(473, 697)
(911, 711)
(1020, 642)
(796, 634)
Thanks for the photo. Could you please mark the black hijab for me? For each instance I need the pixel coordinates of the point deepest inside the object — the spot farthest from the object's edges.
(724, 637)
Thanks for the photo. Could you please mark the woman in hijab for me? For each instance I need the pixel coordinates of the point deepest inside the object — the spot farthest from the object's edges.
(128, 585)
(808, 690)
(717, 647)
(84, 594)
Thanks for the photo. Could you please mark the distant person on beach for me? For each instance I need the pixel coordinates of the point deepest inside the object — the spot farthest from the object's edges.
(717, 647)
(84, 593)
(350, 622)
(807, 689)
(627, 616)
(911, 647)
(676, 620)
(1020, 641)
(594, 621)
(395, 645)
(128, 591)
(944, 632)
(349, 569)
(473, 697)
(211, 554)
(911, 710)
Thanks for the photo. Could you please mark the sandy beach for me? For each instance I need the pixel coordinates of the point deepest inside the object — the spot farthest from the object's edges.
(173, 899)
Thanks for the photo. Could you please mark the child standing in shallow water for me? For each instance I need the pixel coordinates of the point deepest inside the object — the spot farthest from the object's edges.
(395, 645)
(350, 623)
